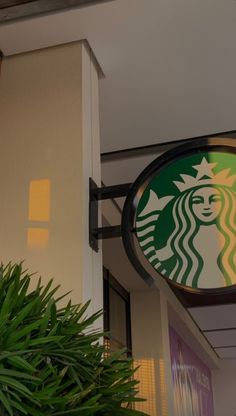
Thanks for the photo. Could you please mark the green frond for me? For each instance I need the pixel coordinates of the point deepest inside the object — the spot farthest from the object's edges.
(51, 361)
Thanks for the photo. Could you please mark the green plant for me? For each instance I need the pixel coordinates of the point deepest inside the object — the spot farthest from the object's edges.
(50, 362)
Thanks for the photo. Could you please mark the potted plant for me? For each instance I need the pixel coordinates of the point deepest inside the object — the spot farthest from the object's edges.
(51, 362)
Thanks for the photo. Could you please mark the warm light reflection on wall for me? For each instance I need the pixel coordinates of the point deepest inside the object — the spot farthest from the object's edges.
(39, 211)
(163, 389)
(147, 386)
(37, 237)
(39, 200)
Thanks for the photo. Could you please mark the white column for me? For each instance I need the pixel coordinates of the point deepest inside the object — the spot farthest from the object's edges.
(49, 148)
(149, 352)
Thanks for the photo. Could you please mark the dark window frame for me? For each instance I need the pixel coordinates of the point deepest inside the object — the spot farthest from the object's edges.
(109, 281)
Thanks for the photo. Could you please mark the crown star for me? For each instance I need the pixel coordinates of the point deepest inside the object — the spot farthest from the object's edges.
(205, 176)
(204, 169)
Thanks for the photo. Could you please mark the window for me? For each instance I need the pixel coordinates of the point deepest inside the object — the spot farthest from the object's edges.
(116, 313)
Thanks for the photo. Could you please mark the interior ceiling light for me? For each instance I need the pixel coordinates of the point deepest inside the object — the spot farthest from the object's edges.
(11, 10)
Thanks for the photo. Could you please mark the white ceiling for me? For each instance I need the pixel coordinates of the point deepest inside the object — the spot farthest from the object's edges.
(215, 317)
(227, 352)
(218, 324)
(228, 339)
(125, 170)
(169, 65)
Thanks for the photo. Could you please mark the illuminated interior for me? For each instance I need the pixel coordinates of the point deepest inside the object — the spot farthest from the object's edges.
(147, 385)
(39, 200)
(39, 211)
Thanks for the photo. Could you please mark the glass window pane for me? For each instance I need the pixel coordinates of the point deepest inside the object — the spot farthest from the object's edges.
(117, 317)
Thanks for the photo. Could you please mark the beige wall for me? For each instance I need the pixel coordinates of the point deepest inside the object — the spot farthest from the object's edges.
(49, 126)
(224, 386)
(148, 325)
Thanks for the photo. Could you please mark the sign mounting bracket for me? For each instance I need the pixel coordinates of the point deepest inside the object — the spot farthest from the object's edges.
(97, 194)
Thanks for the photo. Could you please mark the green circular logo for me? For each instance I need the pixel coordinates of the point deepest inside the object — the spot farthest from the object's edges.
(185, 220)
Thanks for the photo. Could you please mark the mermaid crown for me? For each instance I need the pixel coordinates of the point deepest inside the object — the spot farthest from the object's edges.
(205, 176)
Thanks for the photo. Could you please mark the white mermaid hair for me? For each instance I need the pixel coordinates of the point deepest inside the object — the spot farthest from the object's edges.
(189, 263)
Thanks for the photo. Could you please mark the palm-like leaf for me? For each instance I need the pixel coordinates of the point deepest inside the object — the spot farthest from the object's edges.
(50, 364)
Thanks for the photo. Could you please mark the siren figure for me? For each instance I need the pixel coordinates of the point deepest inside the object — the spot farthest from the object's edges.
(202, 244)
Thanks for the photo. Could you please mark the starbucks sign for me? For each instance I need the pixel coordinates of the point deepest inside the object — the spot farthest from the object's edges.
(179, 220)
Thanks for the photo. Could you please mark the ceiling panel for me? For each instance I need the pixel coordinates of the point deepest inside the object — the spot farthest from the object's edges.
(125, 170)
(221, 338)
(226, 352)
(215, 317)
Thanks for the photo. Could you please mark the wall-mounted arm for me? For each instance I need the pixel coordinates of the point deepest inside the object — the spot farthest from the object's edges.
(97, 194)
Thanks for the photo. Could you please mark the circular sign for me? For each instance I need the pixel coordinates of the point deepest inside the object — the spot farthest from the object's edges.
(179, 219)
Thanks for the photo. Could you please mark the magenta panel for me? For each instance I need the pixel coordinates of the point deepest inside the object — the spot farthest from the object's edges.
(192, 386)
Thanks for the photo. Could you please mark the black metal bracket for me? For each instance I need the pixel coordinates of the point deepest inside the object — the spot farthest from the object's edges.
(97, 194)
